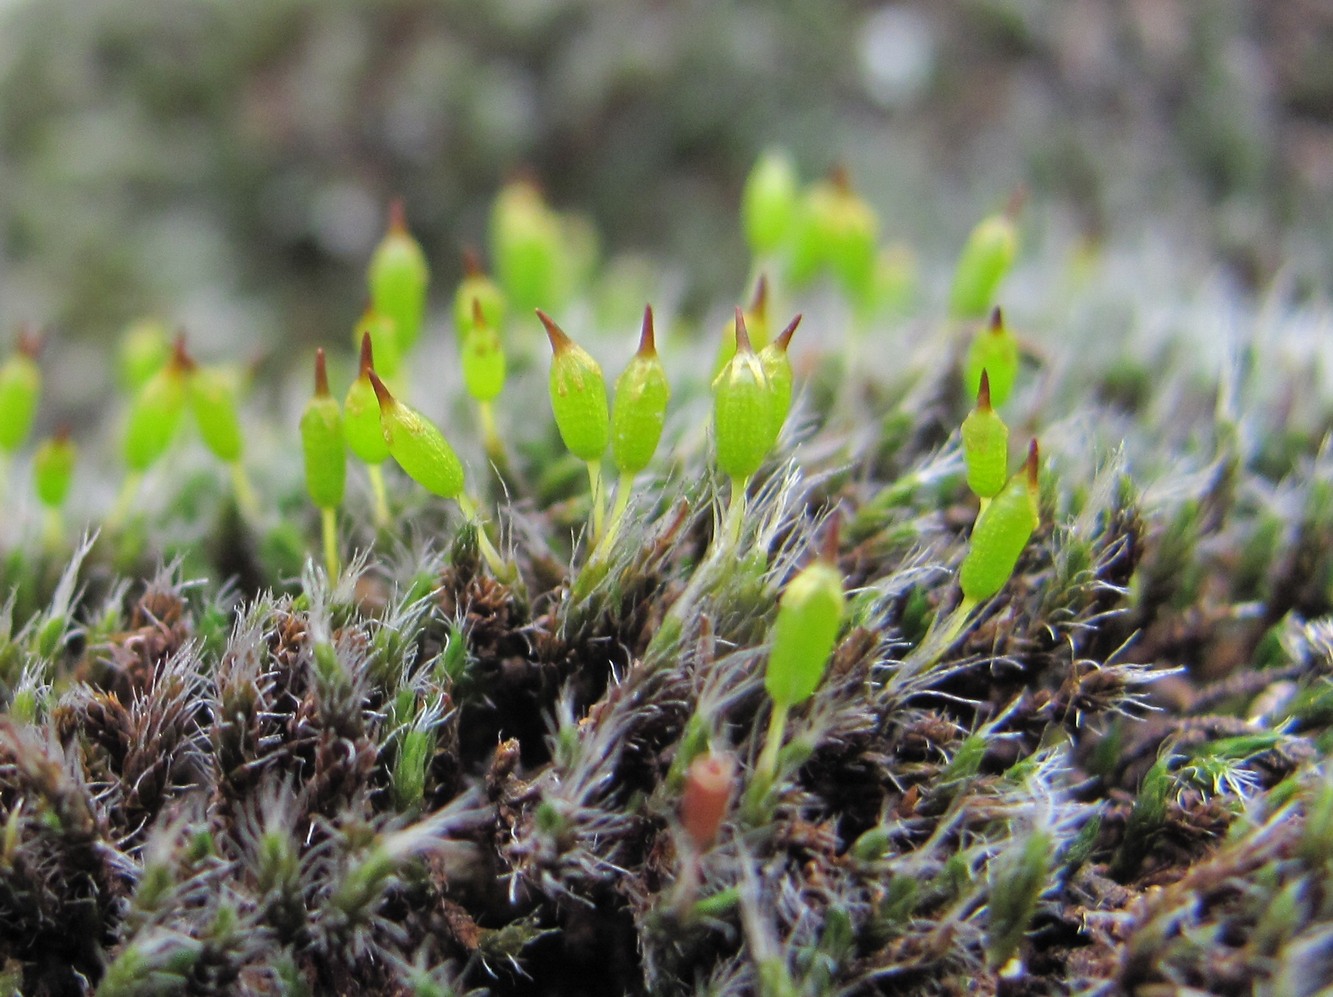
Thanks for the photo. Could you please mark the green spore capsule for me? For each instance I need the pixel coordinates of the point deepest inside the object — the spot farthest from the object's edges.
(756, 324)
(398, 279)
(987, 256)
(743, 403)
(639, 409)
(776, 362)
(1000, 534)
(53, 469)
(769, 202)
(985, 445)
(322, 443)
(144, 348)
(526, 247)
(837, 231)
(578, 395)
(212, 397)
(361, 412)
(483, 357)
(810, 612)
(418, 445)
(20, 390)
(383, 340)
(994, 350)
(477, 286)
(155, 413)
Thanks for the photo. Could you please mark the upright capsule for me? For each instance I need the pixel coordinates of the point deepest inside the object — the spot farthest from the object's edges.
(398, 279)
(743, 406)
(578, 395)
(638, 411)
(322, 442)
(20, 389)
(985, 445)
(994, 349)
(361, 411)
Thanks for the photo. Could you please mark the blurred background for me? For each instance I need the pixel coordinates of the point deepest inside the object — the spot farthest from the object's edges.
(226, 163)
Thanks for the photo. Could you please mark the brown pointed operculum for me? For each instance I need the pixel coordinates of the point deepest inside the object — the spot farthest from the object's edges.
(367, 355)
(181, 361)
(983, 392)
(840, 178)
(29, 341)
(759, 303)
(321, 374)
(386, 399)
(559, 340)
(996, 324)
(647, 339)
(397, 216)
(472, 263)
(784, 337)
(828, 552)
(743, 344)
(1031, 467)
(478, 316)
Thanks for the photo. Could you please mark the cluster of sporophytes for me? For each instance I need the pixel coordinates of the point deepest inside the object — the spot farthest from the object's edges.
(834, 688)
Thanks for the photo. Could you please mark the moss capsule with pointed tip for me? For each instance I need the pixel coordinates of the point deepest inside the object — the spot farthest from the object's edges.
(398, 279)
(477, 286)
(638, 411)
(483, 357)
(743, 403)
(985, 445)
(578, 395)
(994, 349)
(323, 444)
(53, 469)
(418, 446)
(155, 413)
(810, 612)
(20, 390)
(1000, 534)
(986, 258)
(837, 231)
(361, 412)
(776, 362)
(769, 202)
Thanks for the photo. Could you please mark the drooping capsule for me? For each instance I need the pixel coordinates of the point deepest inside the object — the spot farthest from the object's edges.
(361, 411)
(418, 446)
(985, 445)
(638, 411)
(398, 279)
(322, 443)
(987, 256)
(20, 390)
(743, 406)
(994, 349)
(1000, 534)
(578, 395)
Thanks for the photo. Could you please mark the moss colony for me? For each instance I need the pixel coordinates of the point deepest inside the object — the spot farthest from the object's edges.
(784, 662)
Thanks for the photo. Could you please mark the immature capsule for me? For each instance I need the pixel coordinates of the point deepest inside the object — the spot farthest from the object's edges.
(768, 202)
(838, 230)
(483, 357)
(418, 445)
(398, 278)
(985, 445)
(776, 362)
(994, 350)
(145, 347)
(20, 389)
(578, 395)
(639, 409)
(361, 412)
(53, 469)
(743, 406)
(986, 258)
(155, 413)
(1000, 534)
(477, 286)
(810, 613)
(322, 443)
(526, 247)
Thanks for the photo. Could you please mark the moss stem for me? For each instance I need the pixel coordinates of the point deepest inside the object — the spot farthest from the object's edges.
(246, 500)
(381, 496)
(598, 499)
(329, 520)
